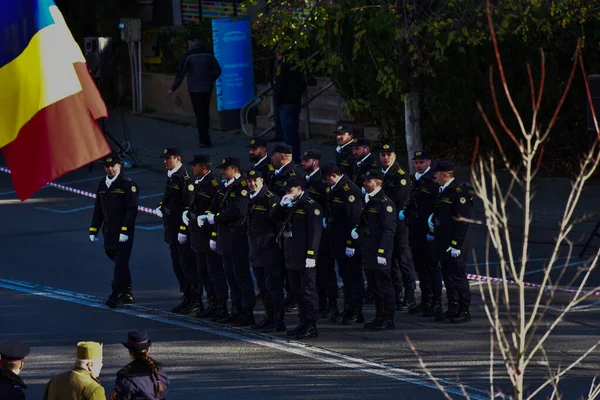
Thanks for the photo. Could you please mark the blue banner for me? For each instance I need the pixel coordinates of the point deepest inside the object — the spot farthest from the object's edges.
(232, 43)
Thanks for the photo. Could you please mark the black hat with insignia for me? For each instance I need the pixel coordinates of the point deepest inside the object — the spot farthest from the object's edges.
(374, 174)
(13, 350)
(291, 182)
(229, 162)
(387, 148)
(170, 151)
(329, 169)
(283, 149)
(311, 155)
(361, 142)
(201, 159)
(340, 129)
(112, 159)
(254, 173)
(443, 166)
(258, 142)
(421, 155)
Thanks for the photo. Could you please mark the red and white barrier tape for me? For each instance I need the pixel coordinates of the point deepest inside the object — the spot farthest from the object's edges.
(472, 277)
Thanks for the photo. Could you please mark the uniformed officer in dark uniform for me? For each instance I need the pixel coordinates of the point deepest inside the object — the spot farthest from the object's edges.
(344, 158)
(375, 233)
(364, 159)
(265, 255)
(115, 211)
(454, 202)
(345, 207)
(396, 186)
(13, 353)
(327, 286)
(177, 198)
(229, 211)
(208, 262)
(300, 236)
(259, 157)
(424, 193)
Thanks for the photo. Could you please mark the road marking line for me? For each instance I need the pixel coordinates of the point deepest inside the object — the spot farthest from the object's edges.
(273, 342)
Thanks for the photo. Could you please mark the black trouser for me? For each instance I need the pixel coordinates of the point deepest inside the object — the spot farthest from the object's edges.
(354, 286)
(402, 266)
(237, 269)
(201, 104)
(429, 272)
(205, 278)
(184, 266)
(269, 278)
(122, 275)
(380, 282)
(457, 284)
(327, 286)
(304, 286)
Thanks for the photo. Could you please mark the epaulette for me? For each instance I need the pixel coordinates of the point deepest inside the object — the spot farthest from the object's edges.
(214, 183)
(186, 176)
(346, 187)
(292, 172)
(269, 194)
(310, 201)
(243, 183)
(128, 179)
(271, 167)
(458, 189)
(401, 171)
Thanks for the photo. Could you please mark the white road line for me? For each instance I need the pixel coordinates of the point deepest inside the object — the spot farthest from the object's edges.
(289, 346)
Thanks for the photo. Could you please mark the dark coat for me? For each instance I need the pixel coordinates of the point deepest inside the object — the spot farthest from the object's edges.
(278, 181)
(362, 167)
(345, 161)
(262, 228)
(424, 193)
(11, 386)
(289, 84)
(318, 190)
(202, 69)
(230, 206)
(376, 231)
(267, 170)
(204, 192)
(304, 221)
(178, 197)
(345, 207)
(396, 185)
(136, 381)
(115, 211)
(454, 202)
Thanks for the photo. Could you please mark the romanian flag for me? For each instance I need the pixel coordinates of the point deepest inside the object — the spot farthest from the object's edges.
(48, 101)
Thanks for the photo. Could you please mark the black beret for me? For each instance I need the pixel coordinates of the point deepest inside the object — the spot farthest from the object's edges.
(311, 155)
(283, 148)
(421, 155)
(443, 166)
(293, 182)
(340, 129)
(374, 174)
(255, 173)
(229, 162)
(361, 142)
(112, 159)
(387, 148)
(201, 159)
(259, 142)
(329, 169)
(13, 350)
(170, 151)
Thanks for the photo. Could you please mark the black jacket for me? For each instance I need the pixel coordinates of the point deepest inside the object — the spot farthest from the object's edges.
(396, 185)
(204, 192)
(289, 84)
(136, 381)
(115, 211)
(11, 386)
(300, 232)
(230, 206)
(178, 197)
(423, 197)
(376, 231)
(345, 207)
(267, 170)
(345, 160)
(454, 202)
(202, 69)
(278, 181)
(262, 227)
(362, 167)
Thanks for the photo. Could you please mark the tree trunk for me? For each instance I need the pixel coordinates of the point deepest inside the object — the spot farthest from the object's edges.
(412, 122)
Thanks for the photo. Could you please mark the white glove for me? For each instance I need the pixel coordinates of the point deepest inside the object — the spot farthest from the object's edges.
(401, 216)
(123, 238)
(430, 238)
(201, 220)
(286, 200)
(213, 245)
(349, 252)
(324, 222)
(453, 252)
(381, 261)
(210, 218)
(311, 263)
(430, 222)
(93, 238)
(354, 234)
(181, 238)
(158, 212)
(185, 218)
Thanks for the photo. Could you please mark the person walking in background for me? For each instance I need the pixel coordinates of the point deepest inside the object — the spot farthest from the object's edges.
(12, 356)
(115, 211)
(80, 383)
(202, 69)
(143, 378)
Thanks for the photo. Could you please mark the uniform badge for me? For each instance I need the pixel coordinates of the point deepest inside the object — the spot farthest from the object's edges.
(244, 192)
(133, 189)
(223, 161)
(252, 173)
(463, 200)
(389, 209)
(386, 146)
(327, 189)
(418, 153)
(109, 159)
(165, 151)
(340, 127)
(403, 182)
(317, 211)
(191, 188)
(351, 198)
(253, 141)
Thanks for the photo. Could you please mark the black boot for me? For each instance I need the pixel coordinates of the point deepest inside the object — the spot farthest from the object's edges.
(369, 299)
(298, 329)
(451, 313)
(409, 301)
(245, 319)
(400, 299)
(126, 296)
(194, 306)
(267, 321)
(113, 299)
(210, 310)
(434, 309)
(425, 304)
(360, 317)
(336, 316)
(347, 312)
(236, 312)
(309, 331)
(220, 311)
(185, 301)
(378, 316)
(384, 323)
(278, 322)
(461, 317)
(324, 311)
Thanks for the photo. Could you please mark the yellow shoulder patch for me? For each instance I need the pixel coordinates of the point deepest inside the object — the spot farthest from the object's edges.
(243, 183)
(346, 187)
(292, 172)
(458, 189)
(214, 182)
(310, 201)
(269, 194)
(271, 167)
(401, 171)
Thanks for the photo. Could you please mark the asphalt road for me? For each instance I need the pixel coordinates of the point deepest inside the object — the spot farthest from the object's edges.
(53, 282)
